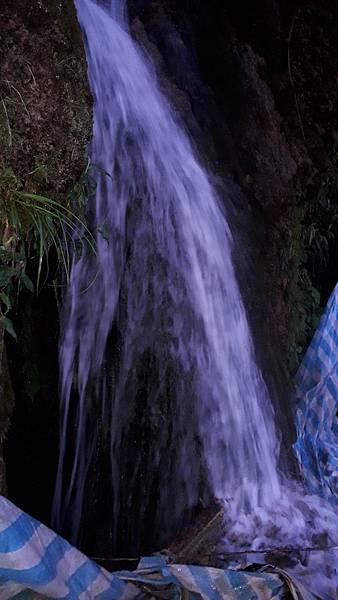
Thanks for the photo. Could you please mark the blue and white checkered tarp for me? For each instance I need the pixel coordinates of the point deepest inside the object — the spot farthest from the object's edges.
(317, 407)
(37, 563)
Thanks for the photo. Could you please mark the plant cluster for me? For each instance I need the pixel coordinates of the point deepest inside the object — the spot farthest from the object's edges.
(309, 234)
(32, 225)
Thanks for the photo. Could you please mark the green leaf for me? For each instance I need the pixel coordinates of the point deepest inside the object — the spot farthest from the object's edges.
(14, 217)
(7, 325)
(6, 274)
(5, 300)
(27, 282)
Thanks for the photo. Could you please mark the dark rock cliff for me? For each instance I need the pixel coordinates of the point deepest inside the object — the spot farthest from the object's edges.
(256, 86)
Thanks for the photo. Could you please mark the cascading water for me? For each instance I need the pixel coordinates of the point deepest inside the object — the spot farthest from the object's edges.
(162, 280)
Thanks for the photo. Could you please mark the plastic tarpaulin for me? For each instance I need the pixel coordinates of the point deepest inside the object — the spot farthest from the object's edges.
(34, 557)
(317, 407)
(35, 560)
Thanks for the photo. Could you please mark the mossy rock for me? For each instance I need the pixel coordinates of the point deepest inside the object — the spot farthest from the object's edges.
(45, 113)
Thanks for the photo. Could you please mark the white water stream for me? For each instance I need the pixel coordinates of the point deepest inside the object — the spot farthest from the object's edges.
(163, 275)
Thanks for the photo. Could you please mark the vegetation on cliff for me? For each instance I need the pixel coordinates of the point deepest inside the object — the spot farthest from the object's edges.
(45, 124)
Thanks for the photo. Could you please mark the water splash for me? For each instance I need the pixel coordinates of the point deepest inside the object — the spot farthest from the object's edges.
(299, 533)
(163, 279)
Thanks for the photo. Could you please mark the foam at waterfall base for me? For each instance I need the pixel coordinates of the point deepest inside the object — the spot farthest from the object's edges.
(298, 532)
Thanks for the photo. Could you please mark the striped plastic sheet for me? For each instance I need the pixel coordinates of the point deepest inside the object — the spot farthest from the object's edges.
(32, 557)
(317, 407)
(37, 563)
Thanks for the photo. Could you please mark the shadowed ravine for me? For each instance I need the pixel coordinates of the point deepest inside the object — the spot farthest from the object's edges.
(156, 356)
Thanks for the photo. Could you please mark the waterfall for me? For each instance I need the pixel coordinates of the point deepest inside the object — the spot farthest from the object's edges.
(154, 329)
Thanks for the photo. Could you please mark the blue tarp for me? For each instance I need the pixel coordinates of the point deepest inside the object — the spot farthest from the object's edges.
(317, 407)
(34, 560)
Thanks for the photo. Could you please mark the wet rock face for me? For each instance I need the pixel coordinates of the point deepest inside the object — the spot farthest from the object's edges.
(218, 83)
(254, 85)
(241, 78)
(268, 160)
